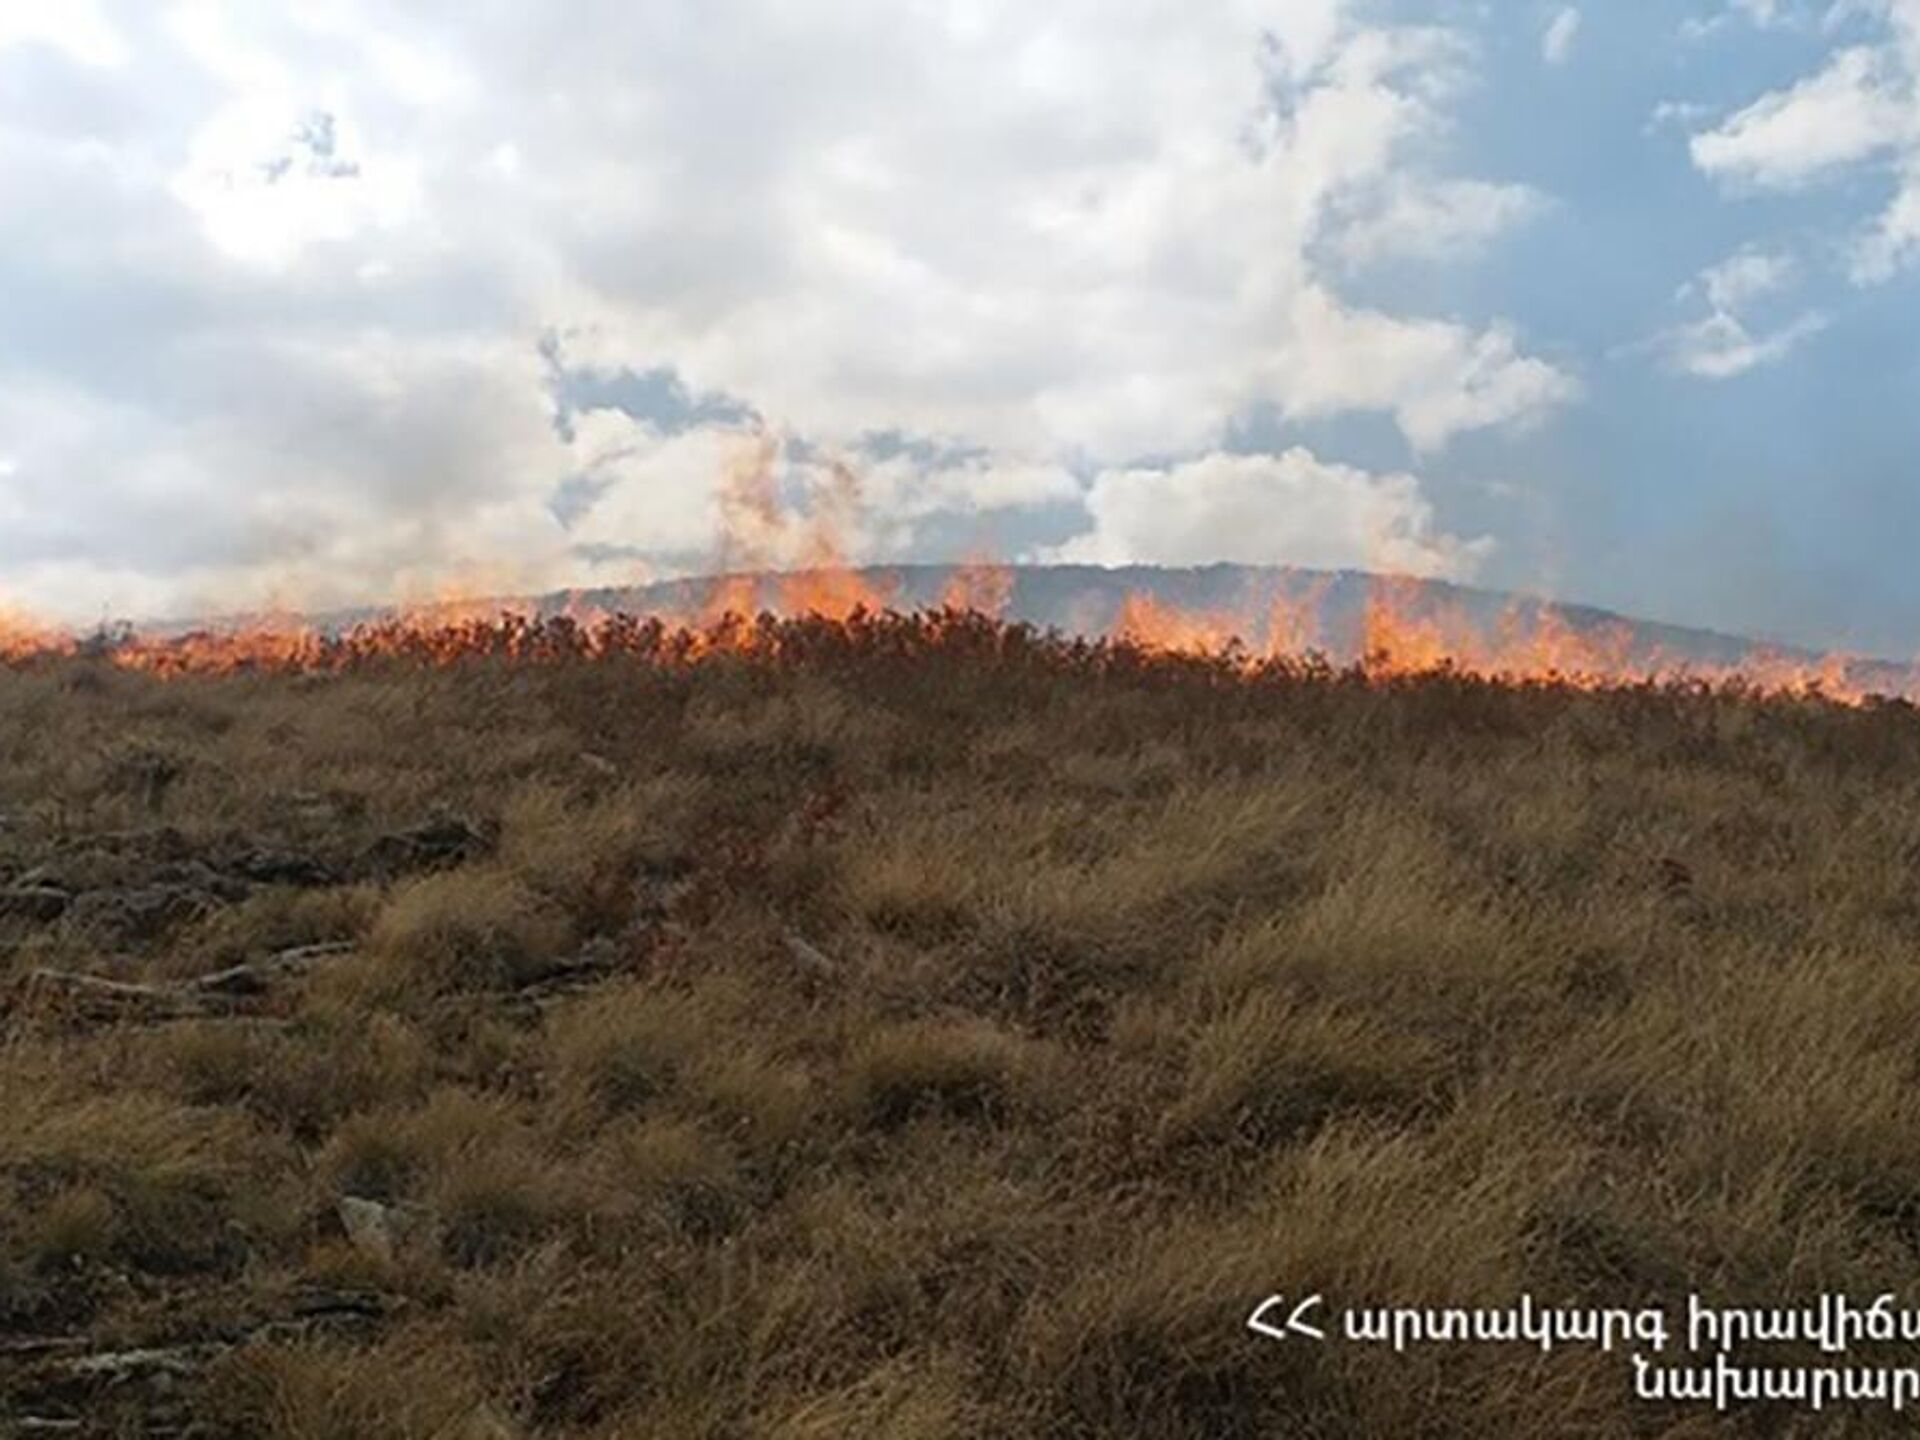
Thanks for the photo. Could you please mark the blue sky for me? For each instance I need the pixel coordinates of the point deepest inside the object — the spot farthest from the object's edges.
(314, 305)
(1783, 498)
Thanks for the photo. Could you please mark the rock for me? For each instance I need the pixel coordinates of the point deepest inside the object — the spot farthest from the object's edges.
(810, 957)
(198, 876)
(432, 845)
(599, 764)
(376, 1228)
(586, 965)
(344, 1304)
(39, 903)
(657, 889)
(109, 860)
(282, 867)
(141, 913)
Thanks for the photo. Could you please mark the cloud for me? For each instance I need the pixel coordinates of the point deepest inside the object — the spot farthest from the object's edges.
(76, 28)
(1721, 344)
(1669, 114)
(1746, 275)
(1556, 43)
(1862, 106)
(1435, 378)
(1761, 14)
(355, 470)
(1893, 241)
(1439, 220)
(1266, 509)
(1847, 112)
(279, 295)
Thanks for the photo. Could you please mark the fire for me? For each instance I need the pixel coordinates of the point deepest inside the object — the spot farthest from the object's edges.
(1405, 632)
(730, 595)
(1153, 624)
(1401, 635)
(785, 578)
(1293, 622)
(979, 586)
(804, 548)
(21, 637)
(1399, 639)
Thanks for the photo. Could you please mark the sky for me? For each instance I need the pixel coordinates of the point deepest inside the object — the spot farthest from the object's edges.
(321, 303)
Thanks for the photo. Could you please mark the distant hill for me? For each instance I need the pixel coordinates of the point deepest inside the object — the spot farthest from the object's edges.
(1323, 611)
(1087, 599)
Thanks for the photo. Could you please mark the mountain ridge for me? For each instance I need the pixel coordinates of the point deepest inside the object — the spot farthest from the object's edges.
(1087, 599)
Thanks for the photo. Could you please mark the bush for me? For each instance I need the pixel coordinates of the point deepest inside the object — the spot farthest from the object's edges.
(471, 928)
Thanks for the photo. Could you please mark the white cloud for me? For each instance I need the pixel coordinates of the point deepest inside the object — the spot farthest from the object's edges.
(1846, 113)
(1862, 106)
(1722, 344)
(77, 28)
(1762, 14)
(1434, 377)
(1675, 113)
(1436, 220)
(1744, 276)
(355, 470)
(268, 179)
(322, 242)
(1893, 241)
(1273, 509)
(1556, 43)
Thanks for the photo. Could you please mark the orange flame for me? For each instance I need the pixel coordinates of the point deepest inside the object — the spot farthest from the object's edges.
(1402, 639)
(792, 559)
(1153, 624)
(760, 533)
(979, 586)
(1405, 631)
(1293, 622)
(22, 637)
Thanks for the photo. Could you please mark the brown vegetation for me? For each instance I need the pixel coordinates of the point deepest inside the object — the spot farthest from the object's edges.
(886, 1031)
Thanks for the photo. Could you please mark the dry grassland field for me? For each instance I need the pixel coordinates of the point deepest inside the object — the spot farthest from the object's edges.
(923, 1030)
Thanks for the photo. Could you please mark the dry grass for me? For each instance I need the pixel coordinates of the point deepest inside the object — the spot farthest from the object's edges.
(875, 1039)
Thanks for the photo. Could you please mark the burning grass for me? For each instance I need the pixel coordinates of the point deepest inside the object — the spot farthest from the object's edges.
(917, 1026)
(1403, 629)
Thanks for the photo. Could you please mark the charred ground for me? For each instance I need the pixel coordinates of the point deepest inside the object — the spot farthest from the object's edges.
(903, 1030)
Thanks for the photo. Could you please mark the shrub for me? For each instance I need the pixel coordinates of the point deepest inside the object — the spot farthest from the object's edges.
(960, 1069)
(471, 928)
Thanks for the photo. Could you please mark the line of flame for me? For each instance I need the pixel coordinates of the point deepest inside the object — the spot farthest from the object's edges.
(1403, 636)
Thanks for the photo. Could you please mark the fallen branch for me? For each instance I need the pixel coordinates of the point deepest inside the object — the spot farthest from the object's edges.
(116, 1367)
(254, 977)
(42, 1344)
(204, 997)
(97, 997)
(65, 1383)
